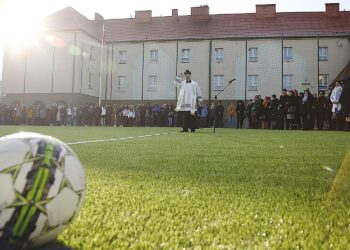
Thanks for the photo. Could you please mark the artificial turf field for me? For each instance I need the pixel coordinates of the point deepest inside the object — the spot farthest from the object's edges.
(235, 189)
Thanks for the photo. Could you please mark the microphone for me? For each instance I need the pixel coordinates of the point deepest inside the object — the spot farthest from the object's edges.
(234, 79)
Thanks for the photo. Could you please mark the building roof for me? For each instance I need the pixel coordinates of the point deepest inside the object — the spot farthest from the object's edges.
(221, 26)
(70, 19)
(344, 74)
(228, 26)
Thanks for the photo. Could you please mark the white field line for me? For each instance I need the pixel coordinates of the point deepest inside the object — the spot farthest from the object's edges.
(118, 139)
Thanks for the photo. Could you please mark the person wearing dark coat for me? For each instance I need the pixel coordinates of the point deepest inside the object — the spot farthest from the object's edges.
(345, 103)
(306, 110)
(321, 110)
(240, 109)
(291, 107)
(219, 115)
(282, 112)
(256, 112)
(273, 111)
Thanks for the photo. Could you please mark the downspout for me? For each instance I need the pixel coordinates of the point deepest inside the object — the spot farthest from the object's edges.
(143, 69)
(177, 61)
(73, 74)
(52, 75)
(112, 66)
(246, 68)
(318, 61)
(282, 62)
(209, 77)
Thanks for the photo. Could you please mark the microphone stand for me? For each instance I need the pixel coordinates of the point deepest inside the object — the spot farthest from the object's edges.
(216, 97)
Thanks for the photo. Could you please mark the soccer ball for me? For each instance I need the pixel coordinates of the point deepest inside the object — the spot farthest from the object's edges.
(42, 188)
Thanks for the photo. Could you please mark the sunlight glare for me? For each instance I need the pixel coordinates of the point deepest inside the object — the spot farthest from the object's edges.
(19, 27)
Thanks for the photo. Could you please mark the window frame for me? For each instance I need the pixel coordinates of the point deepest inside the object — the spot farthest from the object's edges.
(154, 55)
(92, 53)
(253, 56)
(287, 56)
(152, 83)
(289, 77)
(217, 86)
(122, 83)
(323, 56)
(252, 87)
(185, 58)
(123, 56)
(219, 55)
(323, 86)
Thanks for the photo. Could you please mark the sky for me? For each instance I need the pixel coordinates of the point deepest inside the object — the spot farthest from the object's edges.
(23, 14)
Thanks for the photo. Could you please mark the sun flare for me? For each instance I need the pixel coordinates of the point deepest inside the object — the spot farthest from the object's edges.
(19, 27)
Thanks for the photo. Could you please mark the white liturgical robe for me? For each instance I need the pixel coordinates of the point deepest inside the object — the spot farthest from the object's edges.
(188, 95)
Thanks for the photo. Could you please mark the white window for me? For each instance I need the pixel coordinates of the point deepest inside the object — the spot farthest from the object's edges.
(288, 82)
(287, 53)
(185, 55)
(218, 82)
(252, 82)
(92, 53)
(122, 56)
(91, 80)
(323, 53)
(122, 83)
(323, 82)
(154, 55)
(253, 54)
(152, 83)
(219, 55)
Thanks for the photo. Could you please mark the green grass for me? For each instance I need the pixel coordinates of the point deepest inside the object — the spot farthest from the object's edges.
(233, 189)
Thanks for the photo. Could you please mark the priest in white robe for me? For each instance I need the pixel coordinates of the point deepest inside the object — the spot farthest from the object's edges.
(189, 93)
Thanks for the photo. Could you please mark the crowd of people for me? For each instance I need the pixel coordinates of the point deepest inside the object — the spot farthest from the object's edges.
(328, 110)
(88, 115)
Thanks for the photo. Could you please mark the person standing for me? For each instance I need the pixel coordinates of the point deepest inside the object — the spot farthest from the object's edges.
(336, 107)
(240, 113)
(273, 111)
(103, 115)
(321, 106)
(231, 111)
(187, 100)
(345, 103)
(219, 115)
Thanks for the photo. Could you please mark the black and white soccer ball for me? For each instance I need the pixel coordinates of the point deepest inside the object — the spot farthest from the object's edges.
(42, 188)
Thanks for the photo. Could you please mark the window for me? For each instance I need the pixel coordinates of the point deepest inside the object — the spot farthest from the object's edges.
(252, 82)
(185, 55)
(323, 82)
(323, 53)
(288, 82)
(152, 83)
(122, 83)
(219, 55)
(91, 80)
(218, 82)
(154, 55)
(92, 53)
(122, 57)
(287, 53)
(253, 54)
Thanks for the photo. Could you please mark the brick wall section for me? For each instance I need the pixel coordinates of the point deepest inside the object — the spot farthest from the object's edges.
(200, 13)
(143, 16)
(265, 10)
(332, 9)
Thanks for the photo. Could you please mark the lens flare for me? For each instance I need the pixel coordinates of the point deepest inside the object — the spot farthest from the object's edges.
(74, 50)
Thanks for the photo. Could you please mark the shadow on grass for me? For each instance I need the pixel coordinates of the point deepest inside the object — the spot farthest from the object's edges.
(54, 246)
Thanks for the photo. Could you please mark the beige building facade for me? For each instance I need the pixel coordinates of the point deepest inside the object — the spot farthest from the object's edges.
(65, 64)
